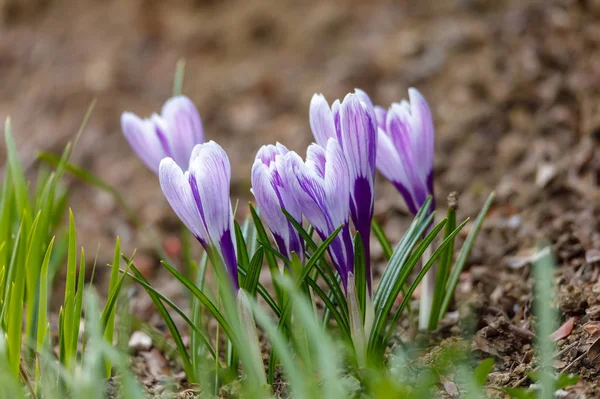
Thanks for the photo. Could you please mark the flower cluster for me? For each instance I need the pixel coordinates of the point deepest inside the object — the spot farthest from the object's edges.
(331, 187)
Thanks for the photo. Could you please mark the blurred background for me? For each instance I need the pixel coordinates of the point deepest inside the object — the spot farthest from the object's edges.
(513, 86)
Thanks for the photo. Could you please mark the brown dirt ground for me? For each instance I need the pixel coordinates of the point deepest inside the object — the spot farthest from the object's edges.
(514, 86)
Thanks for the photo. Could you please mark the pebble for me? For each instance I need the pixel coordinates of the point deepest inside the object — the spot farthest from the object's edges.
(140, 341)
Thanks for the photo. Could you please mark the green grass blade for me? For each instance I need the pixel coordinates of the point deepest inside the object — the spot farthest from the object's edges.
(261, 234)
(109, 327)
(547, 320)
(402, 251)
(161, 299)
(18, 177)
(299, 384)
(42, 317)
(461, 259)
(69, 317)
(443, 272)
(181, 349)
(253, 273)
(343, 324)
(262, 291)
(447, 241)
(207, 303)
(242, 249)
(318, 254)
(382, 310)
(179, 76)
(482, 372)
(382, 238)
(360, 275)
(78, 305)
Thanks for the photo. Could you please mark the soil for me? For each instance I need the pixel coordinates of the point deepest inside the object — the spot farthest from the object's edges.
(514, 86)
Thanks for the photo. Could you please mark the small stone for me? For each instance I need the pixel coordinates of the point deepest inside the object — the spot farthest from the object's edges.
(545, 173)
(140, 341)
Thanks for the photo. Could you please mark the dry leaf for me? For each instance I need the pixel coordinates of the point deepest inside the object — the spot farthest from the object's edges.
(450, 387)
(563, 331)
(591, 327)
(593, 353)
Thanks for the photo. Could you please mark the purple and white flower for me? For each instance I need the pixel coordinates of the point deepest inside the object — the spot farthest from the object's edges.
(353, 123)
(172, 134)
(272, 191)
(322, 188)
(200, 197)
(405, 148)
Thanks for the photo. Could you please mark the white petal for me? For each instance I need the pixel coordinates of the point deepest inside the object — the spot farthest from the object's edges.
(212, 173)
(315, 159)
(337, 184)
(185, 127)
(388, 160)
(267, 200)
(358, 131)
(309, 191)
(423, 132)
(321, 119)
(176, 188)
(143, 140)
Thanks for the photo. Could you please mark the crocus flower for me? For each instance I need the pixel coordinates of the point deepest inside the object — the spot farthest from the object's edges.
(322, 188)
(172, 134)
(405, 148)
(200, 197)
(272, 192)
(405, 157)
(353, 123)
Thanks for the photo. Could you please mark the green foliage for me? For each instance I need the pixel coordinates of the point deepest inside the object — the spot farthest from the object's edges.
(33, 248)
(328, 342)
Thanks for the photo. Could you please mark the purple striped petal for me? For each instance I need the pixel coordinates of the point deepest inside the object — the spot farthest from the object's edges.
(423, 132)
(337, 184)
(144, 141)
(273, 192)
(309, 191)
(322, 191)
(184, 125)
(363, 97)
(405, 149)
(359, 137)
(210, 175)
(176, 188)
(172, 134)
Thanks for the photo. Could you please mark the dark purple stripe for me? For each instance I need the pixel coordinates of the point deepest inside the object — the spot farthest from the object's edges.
(162, 137)
(361, 206)
(228, 251)
(407, 198)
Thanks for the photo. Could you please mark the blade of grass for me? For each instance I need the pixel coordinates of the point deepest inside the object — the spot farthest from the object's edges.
(382, 238)
(402, 251)
(270, 258)
(443, 272)
(360, 275)
(179, 76)
(207, 303)
(447, 241)
(109, 326)
(547, 320)
(70, 292)
(78, 306)
(253, 273)
(319, 253)
(382, 310)
(461, 259)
